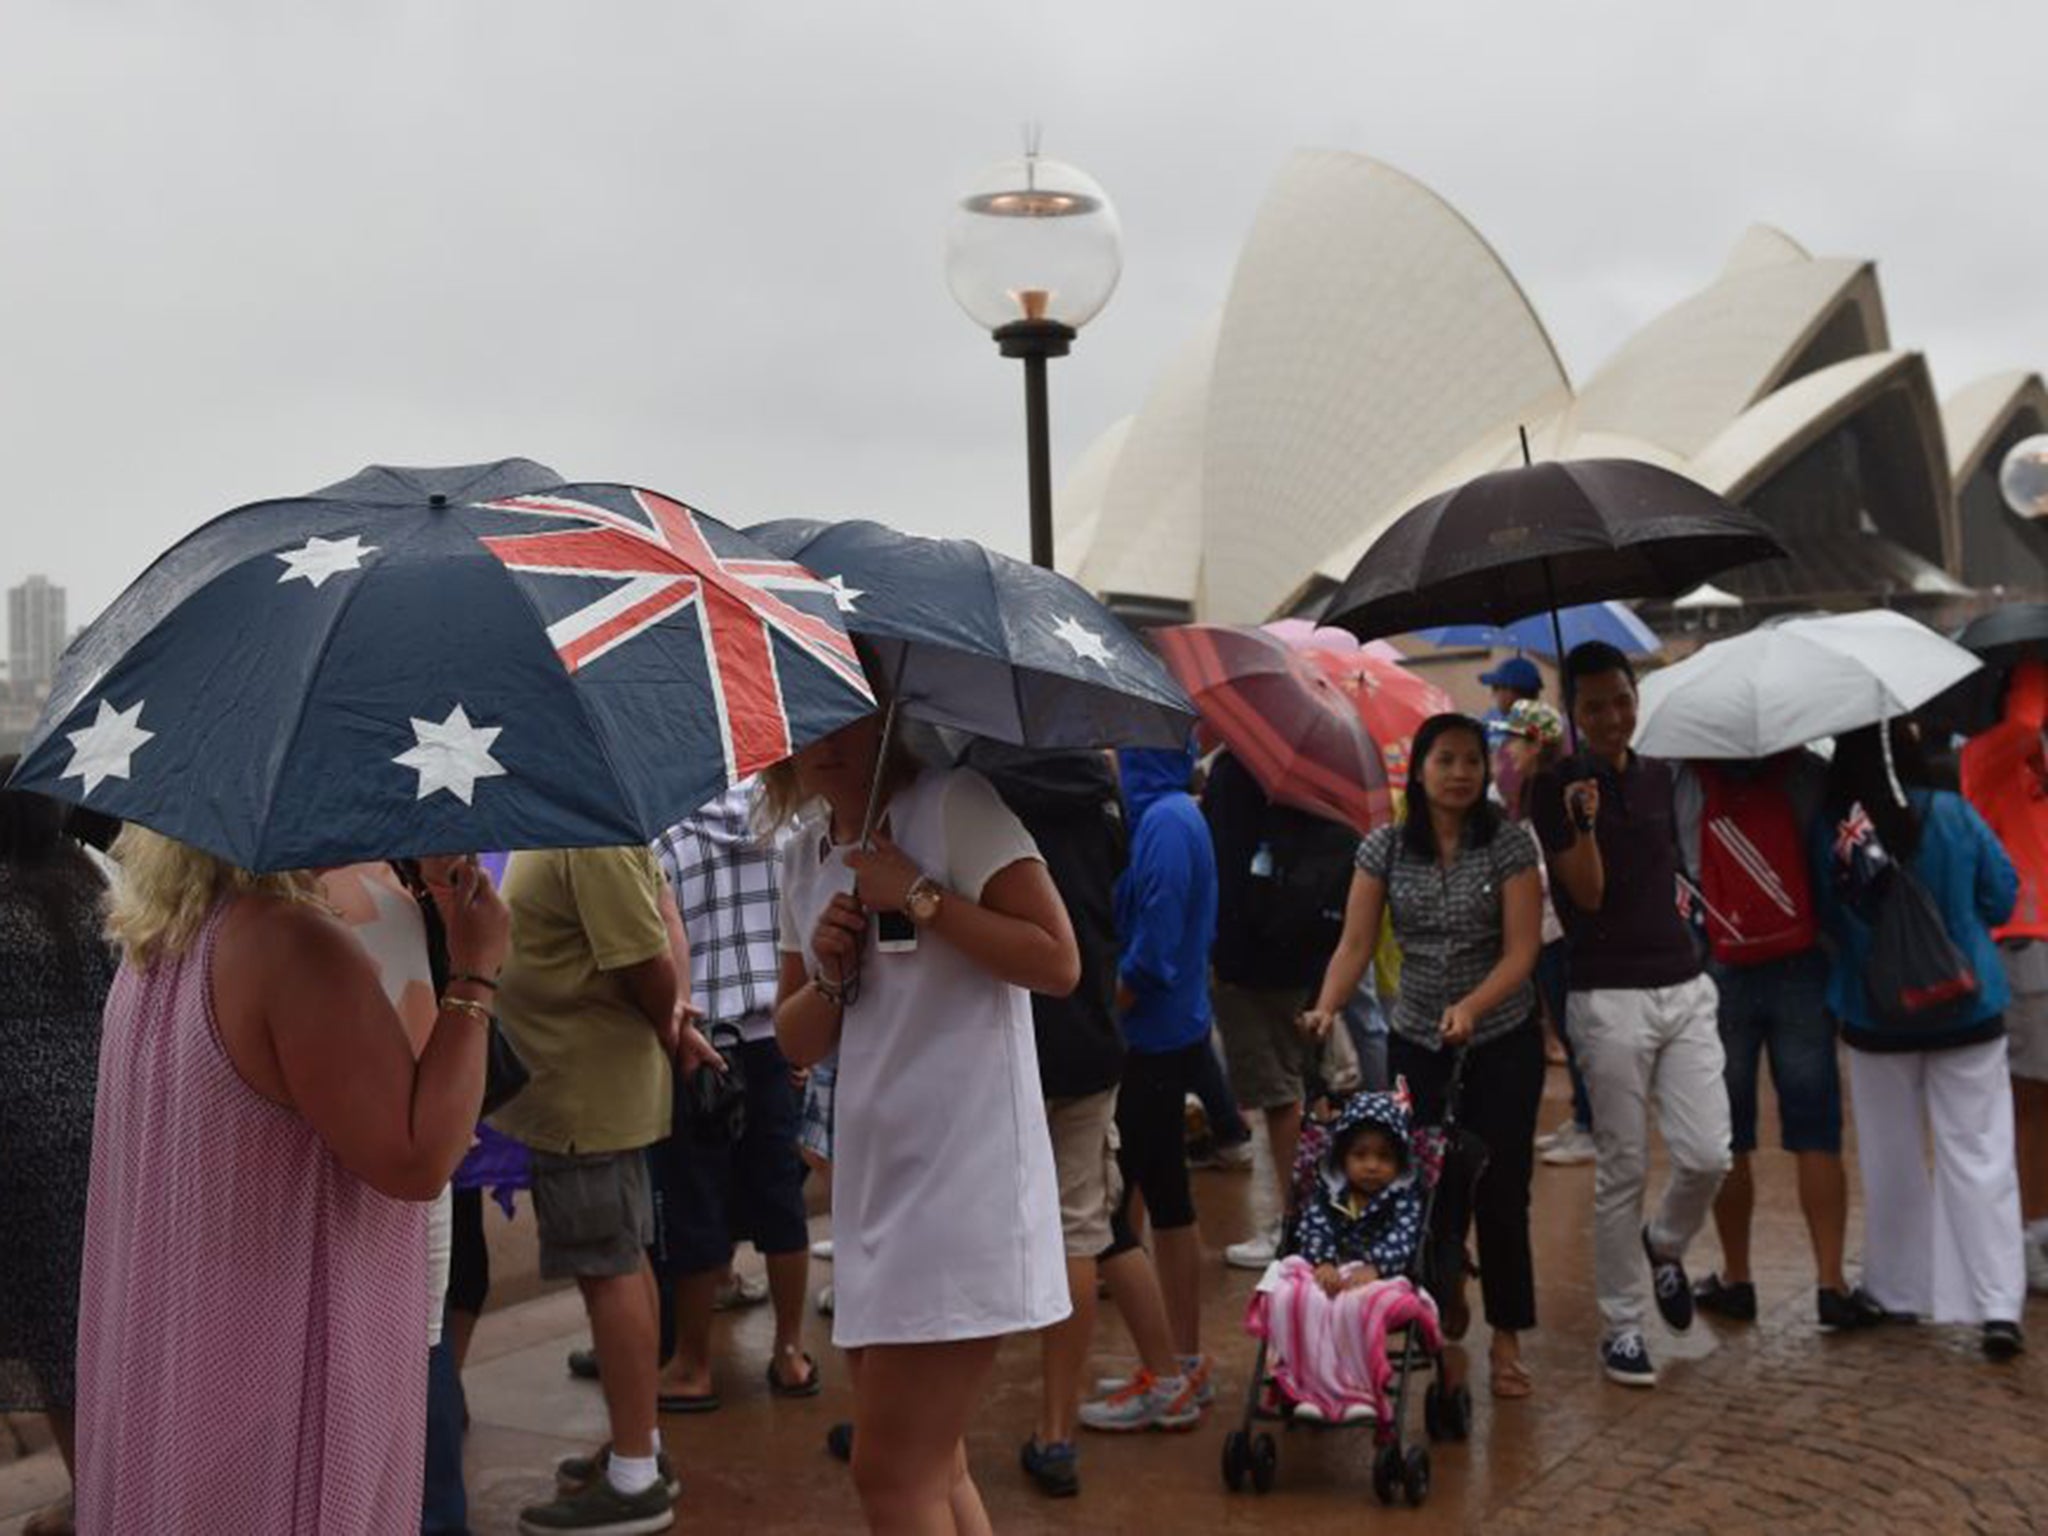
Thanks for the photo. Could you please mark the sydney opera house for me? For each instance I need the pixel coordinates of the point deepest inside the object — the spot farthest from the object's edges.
(1373, 350)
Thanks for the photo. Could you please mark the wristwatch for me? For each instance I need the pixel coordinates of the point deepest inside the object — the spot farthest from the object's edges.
(923, 900)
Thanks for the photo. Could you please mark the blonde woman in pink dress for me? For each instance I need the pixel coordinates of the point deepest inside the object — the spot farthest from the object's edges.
(253, 1304)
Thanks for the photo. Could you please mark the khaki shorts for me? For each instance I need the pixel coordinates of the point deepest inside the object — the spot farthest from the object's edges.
(595, 1214)
(1268, 1055)
(2026, 1016)
(1084, 1157)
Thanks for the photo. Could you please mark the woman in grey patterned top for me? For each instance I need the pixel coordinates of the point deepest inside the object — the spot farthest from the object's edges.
(1467, 911)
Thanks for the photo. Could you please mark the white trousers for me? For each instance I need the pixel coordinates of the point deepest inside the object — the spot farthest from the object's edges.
(1943, 1243)
(1633, 1045)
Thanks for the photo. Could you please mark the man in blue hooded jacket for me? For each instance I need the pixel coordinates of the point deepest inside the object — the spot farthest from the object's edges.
(1166, 917)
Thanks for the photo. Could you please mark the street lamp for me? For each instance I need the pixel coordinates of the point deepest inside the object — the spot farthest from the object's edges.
(2023, 477)
(1033, 253)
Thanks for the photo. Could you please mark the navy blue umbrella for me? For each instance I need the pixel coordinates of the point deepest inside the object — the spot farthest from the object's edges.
(439, 661)
(983, 643)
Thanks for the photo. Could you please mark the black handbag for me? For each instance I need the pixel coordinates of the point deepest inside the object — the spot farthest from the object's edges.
(716, 1102)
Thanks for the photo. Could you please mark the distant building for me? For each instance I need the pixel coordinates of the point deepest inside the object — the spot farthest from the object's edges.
(35, 633)
(1373, 350)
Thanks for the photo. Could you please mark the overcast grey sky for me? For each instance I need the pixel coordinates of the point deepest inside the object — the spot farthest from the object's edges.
(246, 248)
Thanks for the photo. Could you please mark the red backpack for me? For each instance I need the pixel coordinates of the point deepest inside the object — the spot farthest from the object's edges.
(1753, 871)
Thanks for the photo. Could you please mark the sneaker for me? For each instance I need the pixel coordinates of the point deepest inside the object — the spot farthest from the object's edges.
(1841, 1311)
(2002, 1341)
(1254, 1252)
(2037, 1265)
(1674, 1291)
(1572, 1147)
(740, 1291)
(839, 1441)
(1055, 1468)
(825, 1302)
(1626, 1359)
(575, 1473)
(1199, 1372)
(599, 1509)
(821, 1250)
(1309, 1413)
(1144, 1402)
(1235, 1158)
(1732, 1299)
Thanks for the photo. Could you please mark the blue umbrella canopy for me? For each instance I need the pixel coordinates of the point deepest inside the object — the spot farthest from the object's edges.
(1612, 622)
(442, 660)
(980, 642)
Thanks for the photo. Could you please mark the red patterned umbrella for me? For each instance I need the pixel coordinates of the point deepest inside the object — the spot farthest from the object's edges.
(1284, 718)
(1391, 701)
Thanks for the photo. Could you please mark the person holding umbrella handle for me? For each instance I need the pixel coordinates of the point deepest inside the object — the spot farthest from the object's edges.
(945, 1206)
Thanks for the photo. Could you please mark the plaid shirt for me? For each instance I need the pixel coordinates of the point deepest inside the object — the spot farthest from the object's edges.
(725, 882)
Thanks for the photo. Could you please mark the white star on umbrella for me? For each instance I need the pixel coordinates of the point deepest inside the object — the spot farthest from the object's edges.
(318, 558)
(843, 596)
(1082, 641)
(452, 755)
(103, 748)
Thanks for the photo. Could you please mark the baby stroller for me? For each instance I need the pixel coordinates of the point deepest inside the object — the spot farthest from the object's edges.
(1449, 1161)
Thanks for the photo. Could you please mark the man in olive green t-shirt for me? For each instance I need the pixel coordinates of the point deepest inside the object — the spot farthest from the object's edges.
(588, 999)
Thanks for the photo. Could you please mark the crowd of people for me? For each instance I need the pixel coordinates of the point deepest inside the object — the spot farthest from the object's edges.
(978, 996)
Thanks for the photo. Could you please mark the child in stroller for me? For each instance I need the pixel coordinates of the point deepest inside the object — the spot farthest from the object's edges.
(1351, 1277)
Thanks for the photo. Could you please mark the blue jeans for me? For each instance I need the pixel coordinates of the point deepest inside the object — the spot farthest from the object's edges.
(444, 1502)
(1780, 1008)
(1366, 1022)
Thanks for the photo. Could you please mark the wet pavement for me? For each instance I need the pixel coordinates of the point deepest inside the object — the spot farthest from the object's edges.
(1770, 1427)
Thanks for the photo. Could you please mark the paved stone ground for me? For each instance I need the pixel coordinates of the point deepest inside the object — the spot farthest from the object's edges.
(1771, 1428)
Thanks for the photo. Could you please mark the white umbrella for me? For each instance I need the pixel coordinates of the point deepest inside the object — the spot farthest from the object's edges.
(1778, 688)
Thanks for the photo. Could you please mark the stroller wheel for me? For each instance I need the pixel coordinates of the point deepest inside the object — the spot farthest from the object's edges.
(1386, 1474)
(1265, 1462)
(1458, 1413)
(1237, 1459)
(1415, 1476)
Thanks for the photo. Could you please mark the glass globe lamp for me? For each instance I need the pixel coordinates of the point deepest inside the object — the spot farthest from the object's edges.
(2023, 477)
(1033, 240)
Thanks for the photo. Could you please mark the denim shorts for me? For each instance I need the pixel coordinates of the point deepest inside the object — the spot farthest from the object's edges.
(1779, 1008)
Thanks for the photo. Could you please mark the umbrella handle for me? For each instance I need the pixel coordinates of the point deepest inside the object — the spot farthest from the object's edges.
(867, 825)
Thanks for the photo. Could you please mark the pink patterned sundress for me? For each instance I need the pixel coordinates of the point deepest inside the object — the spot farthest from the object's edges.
(252, 1319)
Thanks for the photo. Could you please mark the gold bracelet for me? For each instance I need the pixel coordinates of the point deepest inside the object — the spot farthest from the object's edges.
(475, 1010)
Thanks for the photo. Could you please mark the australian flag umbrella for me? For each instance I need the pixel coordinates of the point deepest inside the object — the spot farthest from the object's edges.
(441, 661)
(980, 642)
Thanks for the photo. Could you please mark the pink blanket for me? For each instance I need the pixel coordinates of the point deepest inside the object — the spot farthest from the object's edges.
(1331, 1351)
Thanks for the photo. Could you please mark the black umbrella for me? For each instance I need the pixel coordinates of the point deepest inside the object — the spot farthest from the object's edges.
(1547, 535)
(2008, 634)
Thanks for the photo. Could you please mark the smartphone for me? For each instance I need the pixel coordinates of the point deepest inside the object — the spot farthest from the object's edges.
(895, 934)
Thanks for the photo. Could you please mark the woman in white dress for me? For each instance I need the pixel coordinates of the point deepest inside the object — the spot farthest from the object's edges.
(915, 961)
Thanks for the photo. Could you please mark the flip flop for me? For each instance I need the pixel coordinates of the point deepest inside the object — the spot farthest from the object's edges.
(687, 1402)
(1512, 1380)
(810, 1386)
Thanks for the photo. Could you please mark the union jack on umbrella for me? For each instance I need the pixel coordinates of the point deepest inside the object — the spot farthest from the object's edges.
(440, 661)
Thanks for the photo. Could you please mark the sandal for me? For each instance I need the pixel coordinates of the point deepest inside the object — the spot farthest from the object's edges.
(1511, 1379)
(810, 1386)
(687, 1402)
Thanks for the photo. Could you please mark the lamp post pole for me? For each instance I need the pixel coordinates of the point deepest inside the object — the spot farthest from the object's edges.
(1033, 342)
